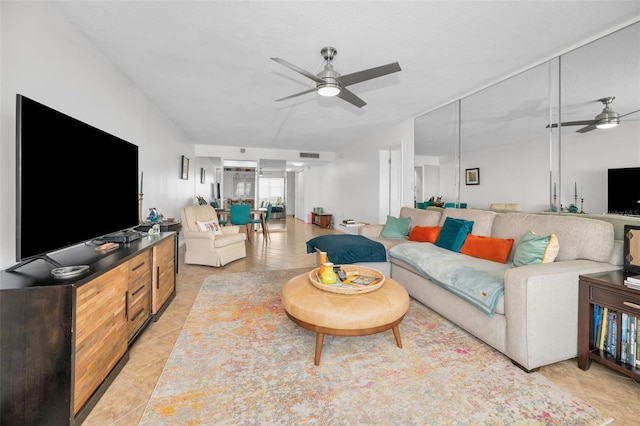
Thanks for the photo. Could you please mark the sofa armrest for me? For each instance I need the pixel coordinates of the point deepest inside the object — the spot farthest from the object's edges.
(370, 231)
(541, 308)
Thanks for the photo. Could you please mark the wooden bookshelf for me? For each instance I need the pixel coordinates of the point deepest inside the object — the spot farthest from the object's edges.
(323, 220)
(605, 289)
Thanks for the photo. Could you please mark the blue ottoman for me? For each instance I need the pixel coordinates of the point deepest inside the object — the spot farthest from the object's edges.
(345, 248)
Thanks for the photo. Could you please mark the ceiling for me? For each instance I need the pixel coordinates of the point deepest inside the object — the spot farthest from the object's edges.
(207, 64)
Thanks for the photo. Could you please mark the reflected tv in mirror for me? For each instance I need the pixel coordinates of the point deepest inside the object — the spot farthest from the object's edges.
(623, 191)
(74, 182)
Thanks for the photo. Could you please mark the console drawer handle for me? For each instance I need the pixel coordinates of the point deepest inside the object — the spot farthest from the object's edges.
(137, 291)
(631, 304)
(138, 266)
(137, 315)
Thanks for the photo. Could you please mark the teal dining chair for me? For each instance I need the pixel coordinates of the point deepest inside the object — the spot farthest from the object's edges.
(264, 225)
(240, 214)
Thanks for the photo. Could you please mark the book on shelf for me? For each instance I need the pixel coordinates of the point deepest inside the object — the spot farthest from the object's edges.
(597, 312)
(635, 279)
(602, 337)
(624, 338)
(612, 333)
(637, 354)
(610, 339)
(633, 324)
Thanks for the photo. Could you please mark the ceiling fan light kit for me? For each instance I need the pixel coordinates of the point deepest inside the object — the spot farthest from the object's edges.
(330, 83)
(607, 119)
(328, 88)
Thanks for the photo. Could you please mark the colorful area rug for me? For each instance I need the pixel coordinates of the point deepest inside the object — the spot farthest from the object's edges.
(240, 360)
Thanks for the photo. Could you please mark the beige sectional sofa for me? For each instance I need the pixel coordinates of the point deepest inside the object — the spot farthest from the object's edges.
(534, 322)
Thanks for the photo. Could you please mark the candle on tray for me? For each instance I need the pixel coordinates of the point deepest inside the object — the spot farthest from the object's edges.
(554, 189)
(141, 177)
(576, 189)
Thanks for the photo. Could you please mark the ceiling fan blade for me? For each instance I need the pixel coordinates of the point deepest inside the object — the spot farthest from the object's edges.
(629, 113)
(298, 69)
(572, 123)
(297, 94)
(348, 96)
(589, 128)
(360, 76)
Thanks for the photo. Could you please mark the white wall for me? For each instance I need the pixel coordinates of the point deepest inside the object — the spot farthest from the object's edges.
(348, 188)
(47, 59)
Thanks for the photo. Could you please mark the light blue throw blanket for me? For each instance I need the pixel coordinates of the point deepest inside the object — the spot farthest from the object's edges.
(478, 281)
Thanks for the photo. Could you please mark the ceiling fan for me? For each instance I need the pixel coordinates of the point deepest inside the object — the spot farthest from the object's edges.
(607, 119)
(330, 83)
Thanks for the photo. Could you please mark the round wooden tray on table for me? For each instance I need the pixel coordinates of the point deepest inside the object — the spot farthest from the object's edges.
(350, 270)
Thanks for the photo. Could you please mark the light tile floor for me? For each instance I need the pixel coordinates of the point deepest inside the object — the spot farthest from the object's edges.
(613, 394)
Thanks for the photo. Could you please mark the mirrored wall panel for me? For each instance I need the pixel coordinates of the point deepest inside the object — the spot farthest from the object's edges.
(601, 80)
(505, 140)
(437, 151)
(553, 138)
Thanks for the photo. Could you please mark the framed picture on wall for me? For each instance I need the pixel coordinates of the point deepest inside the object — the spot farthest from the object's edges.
(202, 175)
(184, 173)
(473, 176)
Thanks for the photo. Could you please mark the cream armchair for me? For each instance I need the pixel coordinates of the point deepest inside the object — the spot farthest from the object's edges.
(213, 247)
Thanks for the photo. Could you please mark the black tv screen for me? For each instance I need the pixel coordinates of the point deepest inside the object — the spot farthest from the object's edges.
(75, 183)
(624, 191)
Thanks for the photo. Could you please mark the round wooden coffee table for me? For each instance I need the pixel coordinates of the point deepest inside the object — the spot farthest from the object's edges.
(344, 314)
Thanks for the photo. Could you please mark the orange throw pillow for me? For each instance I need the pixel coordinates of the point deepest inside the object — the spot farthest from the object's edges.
(496, 249)
(425, 234)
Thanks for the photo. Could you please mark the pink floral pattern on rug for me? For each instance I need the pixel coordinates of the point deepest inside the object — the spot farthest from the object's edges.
(240, 360)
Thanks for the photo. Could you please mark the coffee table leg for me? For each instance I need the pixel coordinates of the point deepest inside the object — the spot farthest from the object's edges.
(319, 342)
(396, 333)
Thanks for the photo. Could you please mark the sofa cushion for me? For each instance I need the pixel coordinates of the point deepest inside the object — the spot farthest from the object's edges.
(482, 219)
(425, 234)
(579, 237)
(421, 217)
(536, 248)
(396, 227)
(453, 233)
(496, 249)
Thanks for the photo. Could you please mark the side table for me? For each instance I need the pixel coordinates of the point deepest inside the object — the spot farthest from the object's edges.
(323, 220)
(165, 226)
(607, 290)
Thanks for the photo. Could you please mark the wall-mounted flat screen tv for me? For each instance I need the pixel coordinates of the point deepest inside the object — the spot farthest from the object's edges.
(624, 191)
(75, 182)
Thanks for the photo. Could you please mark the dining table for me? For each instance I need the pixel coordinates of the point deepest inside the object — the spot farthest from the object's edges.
(261, 212)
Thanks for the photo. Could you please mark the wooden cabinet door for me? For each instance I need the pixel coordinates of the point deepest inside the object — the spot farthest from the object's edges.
(164, 275)
(101, 331)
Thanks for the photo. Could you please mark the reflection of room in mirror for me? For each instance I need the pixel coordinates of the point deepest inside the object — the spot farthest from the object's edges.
(510, 130)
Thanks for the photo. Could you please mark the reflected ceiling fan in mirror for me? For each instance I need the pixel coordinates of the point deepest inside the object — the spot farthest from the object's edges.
(330, 83)
(607, 119)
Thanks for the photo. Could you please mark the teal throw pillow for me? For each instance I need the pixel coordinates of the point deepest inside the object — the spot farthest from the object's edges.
(396, 227)
(454, 233)
(535, 249)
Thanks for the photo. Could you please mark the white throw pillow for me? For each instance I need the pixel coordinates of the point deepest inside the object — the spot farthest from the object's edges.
(209, 226)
